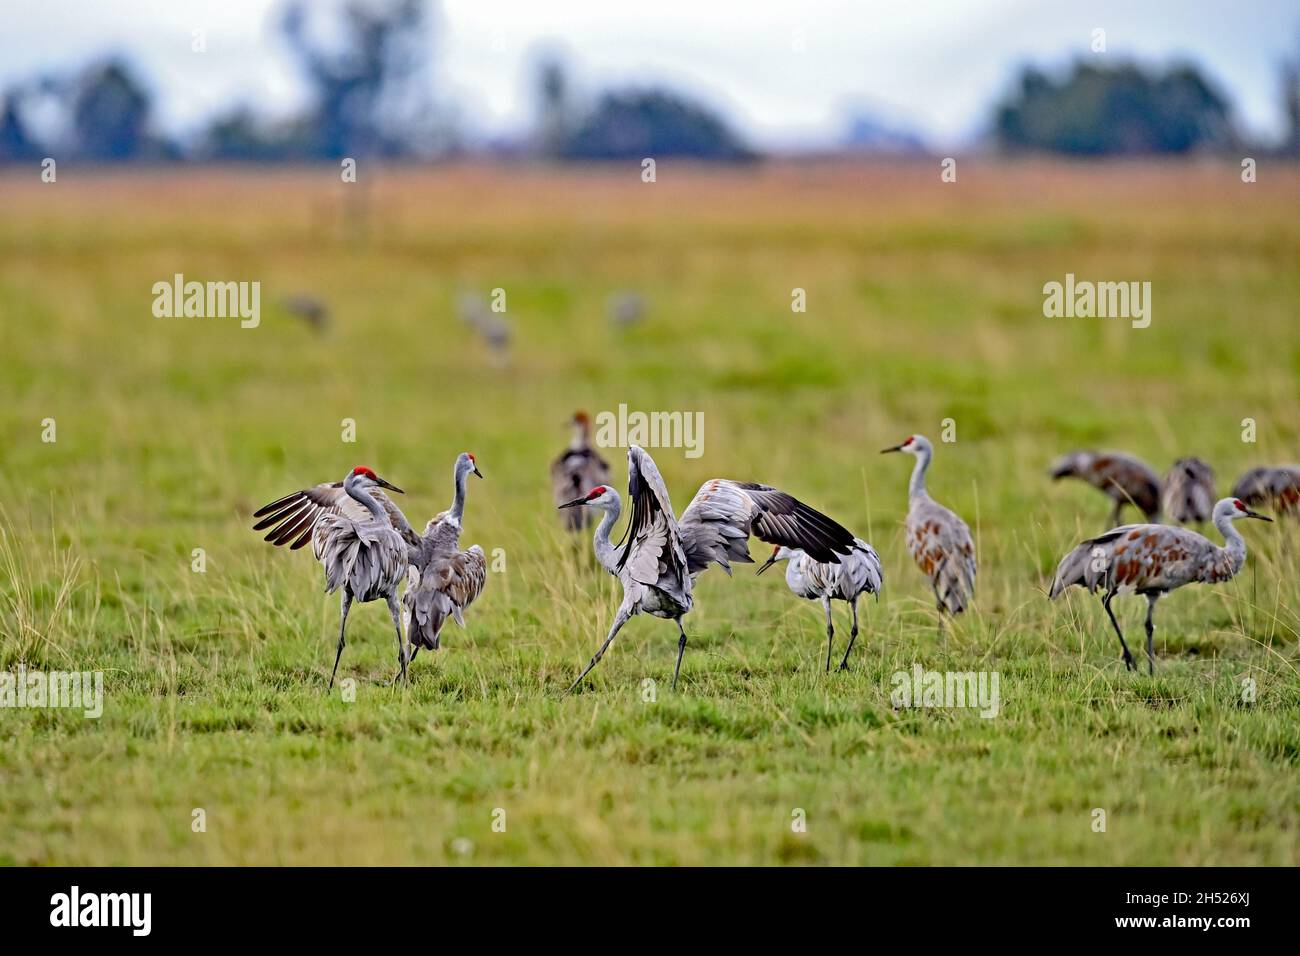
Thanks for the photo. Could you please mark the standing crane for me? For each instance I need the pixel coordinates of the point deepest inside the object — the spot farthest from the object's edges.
(660, 558)
(359, 536)
(1152, 560)
(578, 468)
(1188, 493)
(1123, 478)
(939, 541)
(1276, 486)
(856, 573)
(443, 580)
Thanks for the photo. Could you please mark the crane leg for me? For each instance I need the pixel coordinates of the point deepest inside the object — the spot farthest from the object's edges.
(1151, 634)
(830, 632)
(1128, 658)
(344, 606)
(681, 651)
(401, 644)
(853, 635)
(1114, 516)
(623, 615)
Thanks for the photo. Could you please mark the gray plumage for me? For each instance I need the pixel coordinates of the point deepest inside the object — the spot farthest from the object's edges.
(362, 540)
(1187, 496)
(856, 573)
(626, 309)
(1152, 560)
(659, 560)
(309, 308)
(443, 580)
(938, 540)
(1122, 478)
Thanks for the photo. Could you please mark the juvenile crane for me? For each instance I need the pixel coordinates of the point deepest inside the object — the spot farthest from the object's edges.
(938, 540)
(1277, 487)
(1188, 493)
(443, 580)
(1152, 560)
(660, 558)
(856, 573)
(578, 468)
(1123, 478)
(359, 536)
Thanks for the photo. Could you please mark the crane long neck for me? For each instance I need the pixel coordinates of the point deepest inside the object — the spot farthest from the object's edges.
(1234, 543)
(364, 496)
(605, 550)
(458, 503)
(916, 486)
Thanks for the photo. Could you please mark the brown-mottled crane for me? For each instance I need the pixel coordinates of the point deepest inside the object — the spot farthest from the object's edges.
(1123, 478)
(940, 542)
(1152, 560)
(1274, 486)
(1188, 493)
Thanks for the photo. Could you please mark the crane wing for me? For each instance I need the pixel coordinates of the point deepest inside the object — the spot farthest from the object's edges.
(293, 517)
(448, 585)
(652, 553)
(718, 522)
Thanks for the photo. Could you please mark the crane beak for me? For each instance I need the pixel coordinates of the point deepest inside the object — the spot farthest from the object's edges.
(767, 564)
(1256, 514)
(383, 484)
(476, 471)
(572, 504)
(886, 451)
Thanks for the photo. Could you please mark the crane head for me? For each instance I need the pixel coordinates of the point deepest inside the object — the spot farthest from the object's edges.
(466, 464)
(599, 496)
(912, 445)
(1236, 508)
(368, 479)
(779, 553)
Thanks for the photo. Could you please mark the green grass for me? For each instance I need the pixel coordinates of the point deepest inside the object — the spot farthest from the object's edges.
(924, 303)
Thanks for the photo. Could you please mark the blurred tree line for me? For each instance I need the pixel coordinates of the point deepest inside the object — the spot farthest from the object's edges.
(369, 67)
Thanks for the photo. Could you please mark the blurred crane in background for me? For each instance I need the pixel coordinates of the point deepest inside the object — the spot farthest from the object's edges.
(1188, 493)
(1123, 478)
(578, 468)
(1152, 560)
(661, 558)
(1274, 486)
(939, 541)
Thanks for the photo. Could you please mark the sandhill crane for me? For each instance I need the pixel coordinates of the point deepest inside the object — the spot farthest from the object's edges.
(1152, 560)
(1188, 493)
(309, 308)
(1277, 487)
(1123, 478)
(490, 326)
(856, 573)
(443, 580)
(360, 537)
(661, 558)
(939, 541)
(578, 468)
(626, 309)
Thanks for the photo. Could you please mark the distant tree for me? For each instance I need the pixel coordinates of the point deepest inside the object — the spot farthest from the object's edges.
(110, 113)
(1122, 110)
(553, 110)
(16, 143)
(367, 86)
(638, 123)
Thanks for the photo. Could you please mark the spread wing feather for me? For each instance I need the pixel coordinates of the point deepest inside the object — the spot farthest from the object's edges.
(717, 524)
(295, 516)
(652, 551)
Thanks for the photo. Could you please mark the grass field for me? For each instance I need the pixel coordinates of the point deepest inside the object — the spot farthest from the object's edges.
(924, 302)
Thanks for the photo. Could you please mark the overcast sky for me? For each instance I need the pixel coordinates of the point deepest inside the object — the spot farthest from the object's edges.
(785, 73)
